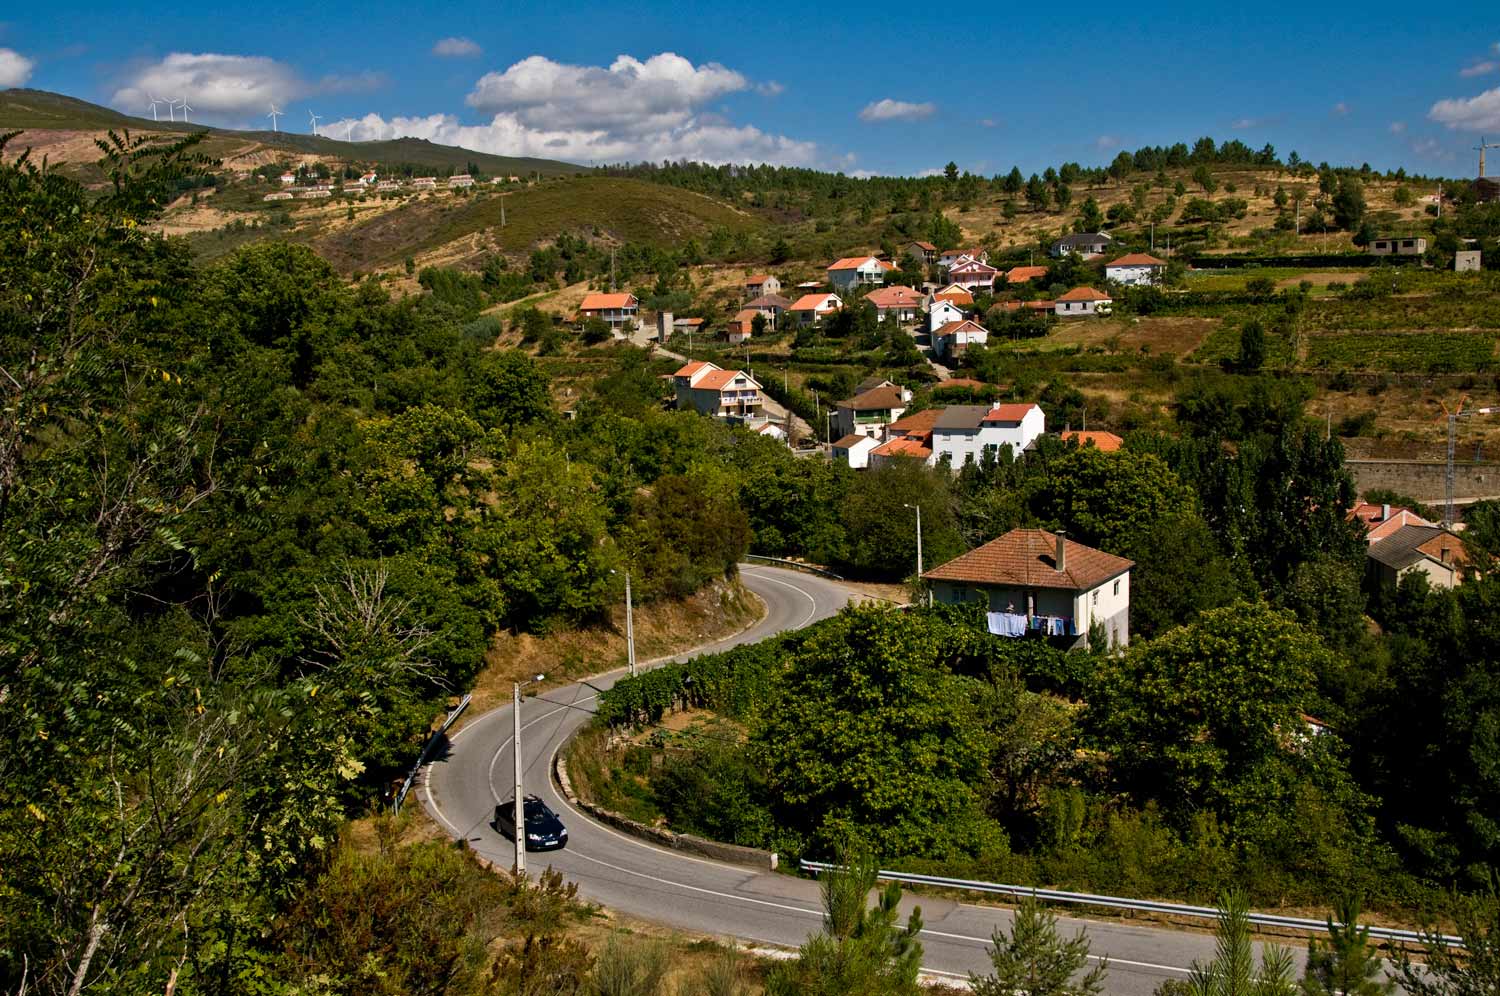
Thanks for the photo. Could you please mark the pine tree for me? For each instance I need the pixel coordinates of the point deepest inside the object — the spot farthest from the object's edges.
(1344, 963)
(1232, 971)
(1035, 961)
(1474, 969)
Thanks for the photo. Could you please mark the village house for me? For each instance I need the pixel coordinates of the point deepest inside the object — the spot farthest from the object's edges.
(613, 309)
(1104, 442)
(948, 257)
(762, 283)
(1380, 521)
(957, 294)
(770, 305)
(1397, 247)
(923, 254)
(814, 307)
(1024, 274)
(1040, 584)
(1082, 302)
(952, 340)
(460, 180)
(424, 183)
(742, 326)
(901, 303)
(858, 271)
(287, 179)
(771, 430)
(278, 195)
(366, 179)
(710, 390)
(968, 433)
(854, 449)
(387, 186)
(1430, 550)
(870, 410)
(970, 273)
(942, 311)
(900, 448)
(1136, 269)
(1085, 244)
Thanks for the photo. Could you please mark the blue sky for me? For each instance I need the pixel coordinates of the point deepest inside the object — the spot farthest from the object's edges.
(892, 90)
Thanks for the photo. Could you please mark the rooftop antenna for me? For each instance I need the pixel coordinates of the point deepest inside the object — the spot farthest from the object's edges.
(314, 118)
(275, 113)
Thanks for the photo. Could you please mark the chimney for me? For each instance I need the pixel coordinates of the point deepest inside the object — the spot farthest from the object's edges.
(1061, 560)
(1385, 512)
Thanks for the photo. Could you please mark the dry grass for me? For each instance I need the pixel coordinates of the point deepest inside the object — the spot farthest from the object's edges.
(661, 630)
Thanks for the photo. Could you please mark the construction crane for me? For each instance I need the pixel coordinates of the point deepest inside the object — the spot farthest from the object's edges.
(1453, 417)
(1480, 149)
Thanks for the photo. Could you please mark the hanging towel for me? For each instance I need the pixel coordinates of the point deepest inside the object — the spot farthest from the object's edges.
(1006, 624)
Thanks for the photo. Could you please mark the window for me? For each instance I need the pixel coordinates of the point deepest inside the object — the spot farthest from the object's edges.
(1117, 587)
(1096, 596)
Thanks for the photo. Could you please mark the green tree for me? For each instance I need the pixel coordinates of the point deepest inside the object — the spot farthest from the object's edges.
(1474, 969)
(1252, 347)
(1090, 218)
(869, 736)
(1179, 572)
(1232, 972)
(876, 502)
(1344, 964)
(1034, 961)
(1349, 204)
(1109, 500)
(1203, 176)
(950, 172)
(510, 391)
(861, 951)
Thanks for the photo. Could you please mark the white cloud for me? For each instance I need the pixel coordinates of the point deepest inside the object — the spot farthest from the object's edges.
(1479, 67)
(1398, 127)
(988, 123)
(1106, 142)
(15, 68)
(457, 48)
(930, 171)
(508, 134)
(1341, 109)
(215, 85)
(1431, 148)
(896, 110)
(770, 88)
(1478, 113)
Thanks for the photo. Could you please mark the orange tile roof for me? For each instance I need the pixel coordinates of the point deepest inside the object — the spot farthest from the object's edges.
(925, 245)
(902, 446)
(1136, 259)
(1106, 442)
(604, 302)
(716, 380)
(894, 296)
(1021, 274)
(1084, 294)
(954, 293)
(691, 368)
(812, 302)
(953, 328)
(747, 315)
(1026, 558)
(916, 423)
(1007, 413)
(757, 280)
(851, 262)
(967, 383)
(853, 439)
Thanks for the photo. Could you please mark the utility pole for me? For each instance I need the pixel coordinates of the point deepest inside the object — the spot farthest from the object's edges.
(918, 509)
(519, 809)
(629, 626)
(611, 271)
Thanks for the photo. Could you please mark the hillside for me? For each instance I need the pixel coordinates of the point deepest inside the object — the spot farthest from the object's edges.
(63, 127)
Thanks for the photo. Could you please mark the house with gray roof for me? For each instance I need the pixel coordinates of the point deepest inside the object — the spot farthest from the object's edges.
(1432, 550)
(1086, 244)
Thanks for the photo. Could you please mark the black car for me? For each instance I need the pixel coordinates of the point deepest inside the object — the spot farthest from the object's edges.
(544, 831)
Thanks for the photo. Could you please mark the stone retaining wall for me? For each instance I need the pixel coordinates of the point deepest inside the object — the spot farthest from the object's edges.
(730, 853)
(1424, 479)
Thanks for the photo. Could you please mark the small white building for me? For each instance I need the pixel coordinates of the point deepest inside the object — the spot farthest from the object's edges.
(287, 179)
(858, 271)
(1413, 246)
(1082, 302)
(1085, 244)
(811, 308)
(460, 180)
(1033, 583)
(278, 195)
(968, 433)
(942, 311)
(854, 449)
(952, 340)
(424, 183)
(901, 303)
(759, 284)
(614, 309)
(708, 389)
(1136, 269)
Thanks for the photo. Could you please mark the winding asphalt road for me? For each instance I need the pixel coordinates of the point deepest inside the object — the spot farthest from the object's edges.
(461, 789)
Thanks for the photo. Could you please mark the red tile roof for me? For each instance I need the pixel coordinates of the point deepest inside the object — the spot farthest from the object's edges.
(1021, 274)
(1136, 259)
(1084, 294)
(956, 294)
(851, 262)
(967, 383)
(812, 302)
(715, 380)
(894, 297)
(1007, 413)
(691, 368)
(757, 280)
(606, 302)
(928, 246)
(1026, 558)
(853, 439)
(953, 328)
(902, 446)
(1106, 442)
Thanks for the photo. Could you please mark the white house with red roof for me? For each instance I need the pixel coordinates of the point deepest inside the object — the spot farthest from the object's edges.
(614, 309)
(854, 449)
(858, 271)
(943, 310)
(953, 339)
(899, 302)
(948, 257)
(969, 273)
(810, 308)
(711, 390)
(761, 283)
(969, 433)
(1082, 302)
(1136, 269)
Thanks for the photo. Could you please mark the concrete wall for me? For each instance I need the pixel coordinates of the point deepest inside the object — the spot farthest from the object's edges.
(1424, 479)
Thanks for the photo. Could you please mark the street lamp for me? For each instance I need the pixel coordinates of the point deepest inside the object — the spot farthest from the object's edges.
(518, 808)
(629, 625)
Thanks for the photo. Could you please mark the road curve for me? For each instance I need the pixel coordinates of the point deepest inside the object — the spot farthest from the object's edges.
(622, 873)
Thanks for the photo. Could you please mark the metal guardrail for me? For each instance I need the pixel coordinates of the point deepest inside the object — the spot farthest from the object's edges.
(411, 776)
(799, 565)
(1138, 905)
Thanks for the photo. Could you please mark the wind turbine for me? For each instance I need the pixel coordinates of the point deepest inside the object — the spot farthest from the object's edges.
(348, 131)
(154, 102)
(314, 119)
(185, 108)
(275, 112)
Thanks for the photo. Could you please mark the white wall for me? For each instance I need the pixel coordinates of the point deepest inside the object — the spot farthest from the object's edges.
(1133, 276)
(941, 313)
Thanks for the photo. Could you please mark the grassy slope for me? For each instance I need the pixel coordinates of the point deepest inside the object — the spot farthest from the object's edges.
(40, 110)
(626, 210)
